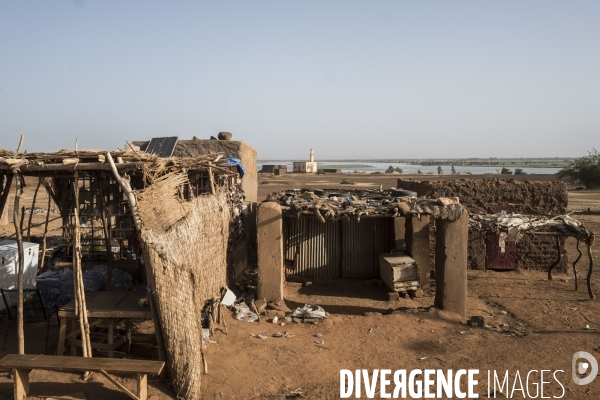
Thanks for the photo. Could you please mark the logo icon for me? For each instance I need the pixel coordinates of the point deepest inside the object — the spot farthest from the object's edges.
(582, 367)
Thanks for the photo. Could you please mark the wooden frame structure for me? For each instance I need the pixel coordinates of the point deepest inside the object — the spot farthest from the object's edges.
(94, 192)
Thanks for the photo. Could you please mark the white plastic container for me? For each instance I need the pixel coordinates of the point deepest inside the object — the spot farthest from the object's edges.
(9, 265)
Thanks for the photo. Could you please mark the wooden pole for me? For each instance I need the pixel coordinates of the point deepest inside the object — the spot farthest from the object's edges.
(106, 227)
(81, 307)
(575, 263)
(8, 178)
(558, 258)
(126, 185)
(590, 270)
(212, 181)
(19, 235)
(45, 233)
(37, 188)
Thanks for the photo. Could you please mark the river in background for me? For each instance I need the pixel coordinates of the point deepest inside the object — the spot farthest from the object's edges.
(410, 168)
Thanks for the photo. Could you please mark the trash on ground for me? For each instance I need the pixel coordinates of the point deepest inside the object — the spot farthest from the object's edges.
(260, 336)
(319, 335)
(476, 321)
(319, 341)
(309, 311)
(205, 333)
(281, 334)
(228, 298)
(243, 313)
(275, 319)
(589, 328)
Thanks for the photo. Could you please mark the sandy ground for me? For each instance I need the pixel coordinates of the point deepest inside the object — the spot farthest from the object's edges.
(534, 324)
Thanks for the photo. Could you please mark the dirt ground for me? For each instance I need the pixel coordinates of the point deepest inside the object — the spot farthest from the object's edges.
(533, 324)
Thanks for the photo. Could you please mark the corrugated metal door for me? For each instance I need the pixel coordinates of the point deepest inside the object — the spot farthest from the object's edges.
(500, 256)
(319, 252)
(362, 243)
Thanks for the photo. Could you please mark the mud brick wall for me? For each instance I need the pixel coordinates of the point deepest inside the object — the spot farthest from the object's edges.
(532, 197)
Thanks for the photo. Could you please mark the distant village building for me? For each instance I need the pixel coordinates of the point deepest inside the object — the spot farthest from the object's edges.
(306, 166)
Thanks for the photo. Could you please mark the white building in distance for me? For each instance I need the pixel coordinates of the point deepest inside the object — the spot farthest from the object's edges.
(306, 166)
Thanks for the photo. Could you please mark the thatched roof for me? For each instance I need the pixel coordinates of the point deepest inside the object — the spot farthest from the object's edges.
(95, 160)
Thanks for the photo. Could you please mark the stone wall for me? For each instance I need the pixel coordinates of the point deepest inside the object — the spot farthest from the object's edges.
(533, 197)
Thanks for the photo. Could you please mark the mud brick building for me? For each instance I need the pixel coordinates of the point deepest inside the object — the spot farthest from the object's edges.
(496, 195)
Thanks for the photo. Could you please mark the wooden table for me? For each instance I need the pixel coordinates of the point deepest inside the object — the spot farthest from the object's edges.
(107, 307)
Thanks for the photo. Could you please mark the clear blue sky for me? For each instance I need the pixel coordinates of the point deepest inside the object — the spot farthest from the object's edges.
(352, 79)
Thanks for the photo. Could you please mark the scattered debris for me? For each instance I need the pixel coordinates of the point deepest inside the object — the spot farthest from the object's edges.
(319, 341)
(309, 311)
(228, 298)
(477, 322)
(243, 313)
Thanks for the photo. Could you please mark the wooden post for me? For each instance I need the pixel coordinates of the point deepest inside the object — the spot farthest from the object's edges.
(21, 383)
(4, 198)
(105, 218)
(126, 185)
(37, 188)
(575, 264)
(45, 233)
(19, 235)
(590, 270)
(81, 307)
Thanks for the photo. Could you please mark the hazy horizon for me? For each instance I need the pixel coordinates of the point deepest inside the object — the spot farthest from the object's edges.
(350, 79)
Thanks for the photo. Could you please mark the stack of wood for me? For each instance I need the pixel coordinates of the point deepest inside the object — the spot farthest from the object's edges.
(515, 225)
(359, 204)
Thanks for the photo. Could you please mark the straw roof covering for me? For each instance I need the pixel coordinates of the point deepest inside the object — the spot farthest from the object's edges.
(185, 250)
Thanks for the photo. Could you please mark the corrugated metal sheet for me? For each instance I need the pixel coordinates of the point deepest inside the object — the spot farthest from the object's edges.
(347, 249)
(362, 243)
(318, 243)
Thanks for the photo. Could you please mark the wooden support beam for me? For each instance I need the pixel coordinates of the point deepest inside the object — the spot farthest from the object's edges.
(124, 167)
(119, 385)
(37, 189)
(21, 383)
(591, 268)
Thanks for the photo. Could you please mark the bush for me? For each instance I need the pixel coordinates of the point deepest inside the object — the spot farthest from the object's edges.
(505, 171)
(519, 171)
(453, 171)
(440, 170)
(420, 172)
(389, 170)
(585, 170)
(398, 170)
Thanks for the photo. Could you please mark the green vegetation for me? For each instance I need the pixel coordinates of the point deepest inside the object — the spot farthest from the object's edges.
(453, 170)
(505, 171)
(585, 170)
(392, 169)
(519, 171)
(345, 181)
(440, 170)
(420, 172)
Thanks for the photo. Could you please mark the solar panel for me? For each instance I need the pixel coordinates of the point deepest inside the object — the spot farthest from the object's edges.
(162, 146)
